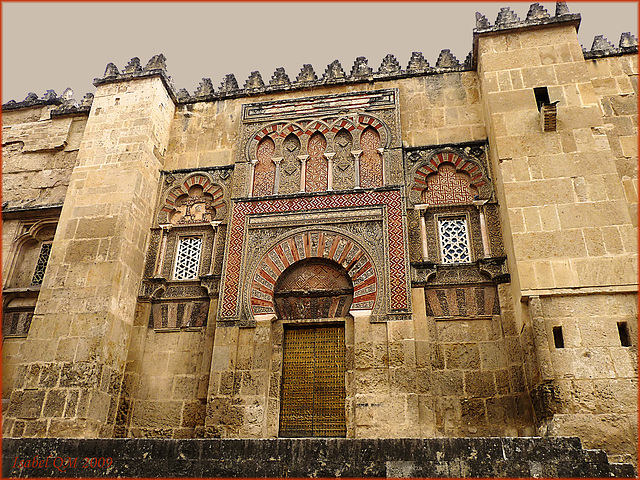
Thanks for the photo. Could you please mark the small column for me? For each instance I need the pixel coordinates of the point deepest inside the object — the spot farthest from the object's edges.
(303, 172)
(356, 156)
(483, 227)
(214, 225)
(384, 171)
(252, 175)
(329, 157)
(276, 183)
(421, 208)
(162, 251)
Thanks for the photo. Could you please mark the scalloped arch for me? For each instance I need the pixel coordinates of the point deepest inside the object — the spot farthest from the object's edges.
(476, 171)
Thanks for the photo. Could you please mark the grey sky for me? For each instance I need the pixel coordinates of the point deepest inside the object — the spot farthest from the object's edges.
(55, 45)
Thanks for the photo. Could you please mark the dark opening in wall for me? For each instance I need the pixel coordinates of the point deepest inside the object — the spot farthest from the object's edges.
(623, 331)
(558, 339)
(542, 96)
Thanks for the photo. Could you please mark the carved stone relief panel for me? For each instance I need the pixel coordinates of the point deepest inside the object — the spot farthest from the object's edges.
(347, 122)
(461, 301)
(316, 164)
(371, 159)
(343, 167)
(192, 199)
(177, 314)
(290, 166)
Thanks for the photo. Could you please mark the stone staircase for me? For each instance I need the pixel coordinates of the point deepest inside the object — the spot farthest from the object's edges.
(307, 457)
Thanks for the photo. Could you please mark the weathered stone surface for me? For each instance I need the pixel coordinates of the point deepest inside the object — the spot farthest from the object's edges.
(435, 458)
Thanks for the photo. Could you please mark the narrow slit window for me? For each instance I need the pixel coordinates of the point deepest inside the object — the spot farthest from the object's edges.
(542, 96)
(41, 266)
(454, 240)
(188, 258)
(558, 338)
(623, 332)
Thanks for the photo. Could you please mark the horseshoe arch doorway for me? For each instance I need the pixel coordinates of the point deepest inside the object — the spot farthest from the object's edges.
(308, 295)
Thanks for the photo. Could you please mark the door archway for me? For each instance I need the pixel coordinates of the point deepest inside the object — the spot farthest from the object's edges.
(312, 401)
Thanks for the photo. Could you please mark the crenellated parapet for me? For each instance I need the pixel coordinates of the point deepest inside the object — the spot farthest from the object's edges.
(66, 104)
(334, 74)
(280, 81)
(155, 67)
(536, 16)
(601, 47)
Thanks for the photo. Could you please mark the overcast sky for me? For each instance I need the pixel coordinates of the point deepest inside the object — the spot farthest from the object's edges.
(55, 45)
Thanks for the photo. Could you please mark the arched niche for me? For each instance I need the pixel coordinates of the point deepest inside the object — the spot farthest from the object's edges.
(321, 245)
(195, 200)
(313, 288)
(27, 253)
(448, 178)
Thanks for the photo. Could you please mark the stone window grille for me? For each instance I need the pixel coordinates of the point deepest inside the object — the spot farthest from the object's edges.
(188, 258)
(454, 240)
(41, 266)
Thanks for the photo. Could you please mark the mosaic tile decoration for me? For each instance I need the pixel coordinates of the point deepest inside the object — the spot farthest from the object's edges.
(399, 300)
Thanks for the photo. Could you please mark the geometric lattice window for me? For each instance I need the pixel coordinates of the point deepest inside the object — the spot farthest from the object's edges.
(188, 258)
(41, 266)
(454, 240)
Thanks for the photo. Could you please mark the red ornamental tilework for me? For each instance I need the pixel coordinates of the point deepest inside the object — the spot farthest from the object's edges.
(370, 160)
(359, 268)
(264, 175)
(316, 170)
(396, 255)
(204, 182)
(447, 187)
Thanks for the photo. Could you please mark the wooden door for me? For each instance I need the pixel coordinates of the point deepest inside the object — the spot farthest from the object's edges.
(312, 403)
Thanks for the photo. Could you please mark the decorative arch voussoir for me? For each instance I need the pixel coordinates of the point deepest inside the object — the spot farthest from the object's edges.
(316, 244)
(475, 171)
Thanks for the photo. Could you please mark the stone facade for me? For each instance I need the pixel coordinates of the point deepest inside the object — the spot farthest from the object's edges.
(177, 265)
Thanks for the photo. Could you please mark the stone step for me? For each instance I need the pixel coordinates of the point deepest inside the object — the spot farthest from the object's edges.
(544, 457)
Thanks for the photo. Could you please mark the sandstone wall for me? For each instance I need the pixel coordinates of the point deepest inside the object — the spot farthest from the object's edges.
(75, 353)
(38, 155)
(569, 224)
